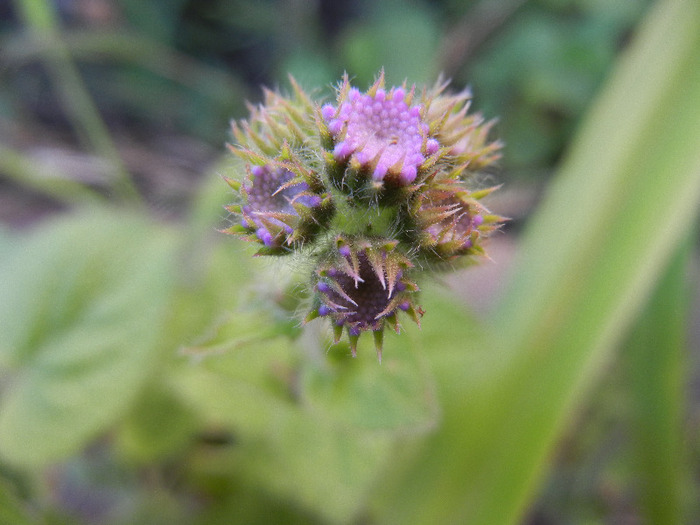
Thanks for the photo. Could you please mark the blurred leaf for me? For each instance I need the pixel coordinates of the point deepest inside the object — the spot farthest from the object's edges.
(250, 391)
(397, 395)
(240, 329)
(84, 301)
(252, 366)
(44, 178)
(243, 504)
(207, 209)
(158, 426)
(626, 196)
(396, 27)
(137, 77)
(309, 68)
(287, 407)
(657, 353)
(159, 20)
(329, 469)
(542, 70)
(41, 18)
(12, 512)
(160, 421)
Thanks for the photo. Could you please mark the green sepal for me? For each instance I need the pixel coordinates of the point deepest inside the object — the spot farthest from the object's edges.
(353, 339)
(313, 314)
(250, 156)
(379, 342)
(480, 194)
(277, 251)
(233, 183)
(236, 229)
(337, 332)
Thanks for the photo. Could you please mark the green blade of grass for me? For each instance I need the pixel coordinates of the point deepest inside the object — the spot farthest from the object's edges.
(625, 197)
(123, 47)
(32, 174)
(40, 17)
(657, 360)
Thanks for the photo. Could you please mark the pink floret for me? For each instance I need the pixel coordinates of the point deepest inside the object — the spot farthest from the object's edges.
(382, 133)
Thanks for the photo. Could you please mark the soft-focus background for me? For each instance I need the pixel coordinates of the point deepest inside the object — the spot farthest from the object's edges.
(124, 105)
(166, 77)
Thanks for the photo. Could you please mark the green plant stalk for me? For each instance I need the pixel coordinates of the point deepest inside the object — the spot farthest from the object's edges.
(131, 48)
(625, 197)
(657, 354)
(27, 172)
(40, 17)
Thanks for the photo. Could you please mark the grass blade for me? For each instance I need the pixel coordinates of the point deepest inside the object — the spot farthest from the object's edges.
(41, 19)
(657, 355)
(32, 174)
(624, 199)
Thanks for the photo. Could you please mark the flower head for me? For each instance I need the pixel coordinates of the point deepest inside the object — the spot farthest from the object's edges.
(278, 123)
(382, 131)
(373, 189)
(364, 286)
(274, 201)
(451, 222)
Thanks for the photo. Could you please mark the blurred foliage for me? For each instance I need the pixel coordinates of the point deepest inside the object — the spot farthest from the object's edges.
(149, 370)
(186, 66)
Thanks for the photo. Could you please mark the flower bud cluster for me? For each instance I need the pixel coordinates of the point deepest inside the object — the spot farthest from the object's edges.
(373, 189)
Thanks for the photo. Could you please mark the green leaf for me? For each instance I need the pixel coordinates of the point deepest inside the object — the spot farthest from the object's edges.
(12, 511)
(159, 425)
(281, 448)
(657, 354)
(243, 504)
(626, 195)
(324, 467)
(397, 395)
(84, 302)
(251, 391)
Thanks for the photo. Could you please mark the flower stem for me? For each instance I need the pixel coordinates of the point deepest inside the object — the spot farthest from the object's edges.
(40, 16)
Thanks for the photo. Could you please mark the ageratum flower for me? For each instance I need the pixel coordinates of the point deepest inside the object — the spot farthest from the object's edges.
(278, 208)
(370, 191)
(381, 131)
(450, 223)
(363, 287)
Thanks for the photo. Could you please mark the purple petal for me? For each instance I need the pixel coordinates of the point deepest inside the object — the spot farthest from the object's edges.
(264, 236)
(335, 126)
(408, 174)
(342, 150)
(432, 146)
(380, 171)
(328, 112)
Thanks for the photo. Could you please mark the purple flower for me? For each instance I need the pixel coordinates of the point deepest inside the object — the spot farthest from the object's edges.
(382, 132)
(451, 221)
(369, 192)
(457, 226)
(359, 301)
(274, 197)
(365, 288)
